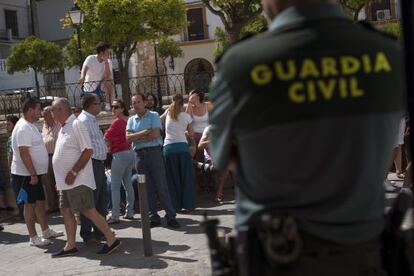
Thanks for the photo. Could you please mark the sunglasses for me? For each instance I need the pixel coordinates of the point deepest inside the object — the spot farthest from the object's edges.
(115, 106)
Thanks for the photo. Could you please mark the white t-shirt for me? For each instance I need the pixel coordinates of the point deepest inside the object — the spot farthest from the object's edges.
(73, 139)
(207, 156)
(175, 130)
(26, 134)
(95, 72)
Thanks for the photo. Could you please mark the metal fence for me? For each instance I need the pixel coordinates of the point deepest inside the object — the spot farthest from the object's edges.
(11, 100)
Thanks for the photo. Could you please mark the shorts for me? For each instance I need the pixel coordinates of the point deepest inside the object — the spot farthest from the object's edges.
(77, 199)
(34, 192)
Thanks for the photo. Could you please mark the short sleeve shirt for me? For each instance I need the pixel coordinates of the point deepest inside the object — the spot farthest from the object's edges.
(72, 140)
(116, 136)
(96, 135)
(25, 134)
(175, 129)
(95, 72)
(151, 120)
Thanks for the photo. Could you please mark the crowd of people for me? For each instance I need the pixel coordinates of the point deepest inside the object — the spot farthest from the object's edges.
(73, 166)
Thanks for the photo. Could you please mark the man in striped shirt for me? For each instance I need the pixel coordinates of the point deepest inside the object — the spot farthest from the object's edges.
(91, 105)
(50, 133)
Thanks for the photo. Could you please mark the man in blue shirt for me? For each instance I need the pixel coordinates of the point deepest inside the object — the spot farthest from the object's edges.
(143, 129)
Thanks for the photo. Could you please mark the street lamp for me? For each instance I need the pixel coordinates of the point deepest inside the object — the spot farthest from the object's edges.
(157, 71)
(76, 16)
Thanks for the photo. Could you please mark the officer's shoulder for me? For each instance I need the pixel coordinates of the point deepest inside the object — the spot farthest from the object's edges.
(376, 31)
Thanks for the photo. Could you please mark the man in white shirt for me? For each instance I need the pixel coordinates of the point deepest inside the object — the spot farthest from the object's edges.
(96, 73)
(75, 179)
(91, 107)
(30, 161)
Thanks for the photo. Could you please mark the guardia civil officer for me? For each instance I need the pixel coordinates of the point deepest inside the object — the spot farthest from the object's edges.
(311, 162)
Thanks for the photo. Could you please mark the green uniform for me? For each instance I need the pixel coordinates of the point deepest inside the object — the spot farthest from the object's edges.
(310, 110)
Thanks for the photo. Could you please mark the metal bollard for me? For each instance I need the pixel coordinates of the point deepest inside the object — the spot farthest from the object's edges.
(145, 222)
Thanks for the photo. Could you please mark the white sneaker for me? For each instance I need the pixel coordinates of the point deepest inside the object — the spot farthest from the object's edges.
(38, 241)
(49, 233)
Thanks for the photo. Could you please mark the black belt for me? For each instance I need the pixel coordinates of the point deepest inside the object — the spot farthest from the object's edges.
(149, 149)
(97, 160)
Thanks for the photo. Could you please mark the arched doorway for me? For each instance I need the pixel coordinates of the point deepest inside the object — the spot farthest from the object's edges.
(198, 74)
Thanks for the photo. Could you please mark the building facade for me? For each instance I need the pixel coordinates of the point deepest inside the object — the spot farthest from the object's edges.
(14, 26)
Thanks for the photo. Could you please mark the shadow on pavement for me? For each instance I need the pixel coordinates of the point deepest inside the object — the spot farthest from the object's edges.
(12, 238)
(130, 254)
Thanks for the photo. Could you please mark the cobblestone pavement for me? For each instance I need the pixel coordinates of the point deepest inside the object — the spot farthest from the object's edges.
(176, 252)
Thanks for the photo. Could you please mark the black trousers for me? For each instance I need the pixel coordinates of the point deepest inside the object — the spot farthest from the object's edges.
(319, 258)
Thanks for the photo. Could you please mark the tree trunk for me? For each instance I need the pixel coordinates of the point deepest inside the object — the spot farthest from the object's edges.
(166, 76)
(124, 77)
(234, 32)
(37, 84)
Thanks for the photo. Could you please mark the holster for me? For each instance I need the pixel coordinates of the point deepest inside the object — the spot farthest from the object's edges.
(271, 240)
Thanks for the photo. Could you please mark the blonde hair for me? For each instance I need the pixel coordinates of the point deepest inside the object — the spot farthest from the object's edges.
(176, 106)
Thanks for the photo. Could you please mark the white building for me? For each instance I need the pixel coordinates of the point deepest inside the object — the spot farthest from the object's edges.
(48, 26)
(14, 26)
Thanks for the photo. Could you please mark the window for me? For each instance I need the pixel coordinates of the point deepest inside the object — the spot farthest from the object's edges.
(195, 19)
(11, 22)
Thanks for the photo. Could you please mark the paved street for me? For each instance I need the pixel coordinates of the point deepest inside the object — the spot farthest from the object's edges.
(176, 252)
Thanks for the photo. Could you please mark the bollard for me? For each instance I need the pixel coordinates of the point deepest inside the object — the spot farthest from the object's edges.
(145, 222)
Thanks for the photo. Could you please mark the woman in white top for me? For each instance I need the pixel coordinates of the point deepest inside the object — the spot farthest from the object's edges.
(178, 163)
(198, 109)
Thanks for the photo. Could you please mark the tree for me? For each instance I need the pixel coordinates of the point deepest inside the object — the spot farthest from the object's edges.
(71, 54)
(254, 27)
(234, 14)
(124, 23)
(167, 47)
(393, 29)
(37, 54)
(353, 7)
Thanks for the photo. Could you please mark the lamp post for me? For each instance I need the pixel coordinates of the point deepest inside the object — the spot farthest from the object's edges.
(76, 16)
(157, 71)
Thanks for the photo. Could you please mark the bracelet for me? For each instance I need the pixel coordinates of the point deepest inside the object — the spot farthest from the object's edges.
(73, 172)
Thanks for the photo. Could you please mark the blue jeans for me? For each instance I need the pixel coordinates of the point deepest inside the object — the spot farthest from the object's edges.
(101, 202)
(121, 170)
(151, 163)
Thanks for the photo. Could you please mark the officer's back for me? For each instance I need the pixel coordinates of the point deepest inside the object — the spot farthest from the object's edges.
(312, 108)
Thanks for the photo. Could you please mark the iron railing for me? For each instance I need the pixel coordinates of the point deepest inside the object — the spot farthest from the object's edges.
(11, 100)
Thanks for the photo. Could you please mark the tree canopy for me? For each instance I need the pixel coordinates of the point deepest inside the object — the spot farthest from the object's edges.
(234, 14)
(124, 23)
(34, 53)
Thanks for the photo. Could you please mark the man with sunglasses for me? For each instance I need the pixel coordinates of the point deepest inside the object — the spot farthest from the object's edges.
(91, 105)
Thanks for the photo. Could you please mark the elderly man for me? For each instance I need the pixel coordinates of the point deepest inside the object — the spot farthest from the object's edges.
(91, 105)
(143, 130)
(75, 179)
(50, 132)
(29, 163)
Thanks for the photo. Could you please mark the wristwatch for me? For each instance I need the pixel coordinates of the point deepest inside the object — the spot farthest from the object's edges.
(73, 173)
